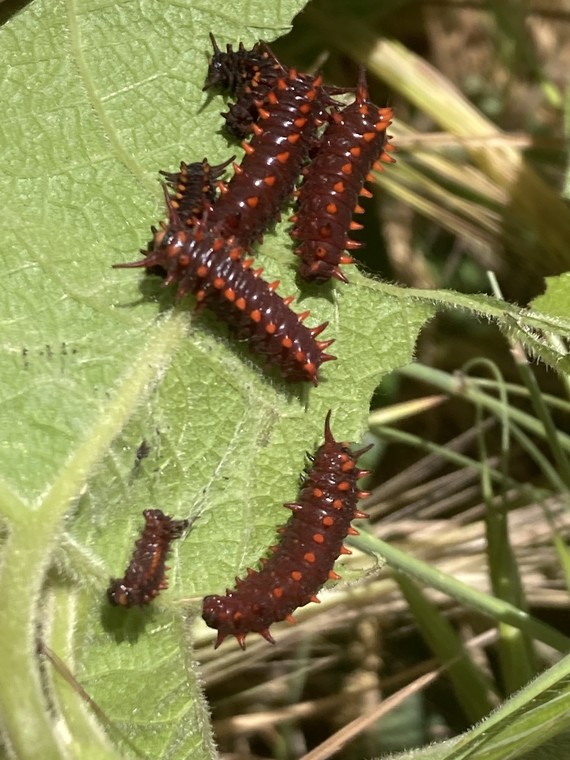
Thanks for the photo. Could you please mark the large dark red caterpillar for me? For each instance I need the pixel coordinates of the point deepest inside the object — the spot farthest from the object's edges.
(303, 560)
(288, 121)
(246, 75)
(145, 577)
(354, 142)
(212, 267)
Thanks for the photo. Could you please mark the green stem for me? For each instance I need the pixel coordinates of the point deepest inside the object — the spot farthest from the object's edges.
(494, 608)
(462, 386)
(26, 723)
(453, 457)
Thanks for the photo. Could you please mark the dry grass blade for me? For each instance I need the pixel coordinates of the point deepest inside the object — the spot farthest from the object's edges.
(338, 740)
(531, 200)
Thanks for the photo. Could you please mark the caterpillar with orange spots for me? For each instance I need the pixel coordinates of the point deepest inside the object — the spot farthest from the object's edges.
(203, 262)
(246, 75)
(193, 189)
(289, 117)
(145, 577)
(303, 560)
(353, 143)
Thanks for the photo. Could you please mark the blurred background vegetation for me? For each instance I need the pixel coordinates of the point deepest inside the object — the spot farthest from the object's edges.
(473, 476)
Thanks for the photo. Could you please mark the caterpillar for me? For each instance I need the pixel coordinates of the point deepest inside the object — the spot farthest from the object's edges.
(353, 143)
(205, 263)
(194, 188)
(304, 558)
(288, 121)
(245, 74)
(145, 577)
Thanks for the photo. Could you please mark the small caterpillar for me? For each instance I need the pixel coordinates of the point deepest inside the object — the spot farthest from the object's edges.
(245, 74)
(145, 577)
(353, 143)
(303, 560)
(194, 189)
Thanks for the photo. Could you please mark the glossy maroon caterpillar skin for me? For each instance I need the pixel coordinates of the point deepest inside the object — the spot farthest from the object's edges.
(266, 177)
(213, 269)
(354, 142)
(145, 577)
(245, 74)
(303, 560)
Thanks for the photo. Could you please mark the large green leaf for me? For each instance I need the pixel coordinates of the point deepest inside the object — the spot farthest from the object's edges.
(96, 97)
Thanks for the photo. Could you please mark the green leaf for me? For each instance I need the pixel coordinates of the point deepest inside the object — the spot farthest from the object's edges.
(555, 301)
(96, 99)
